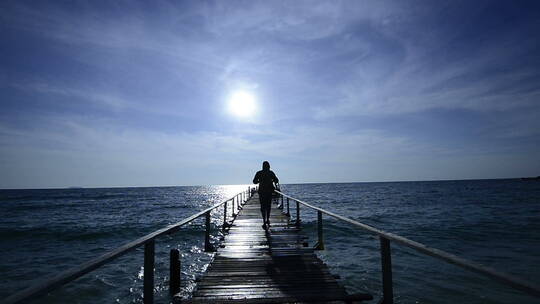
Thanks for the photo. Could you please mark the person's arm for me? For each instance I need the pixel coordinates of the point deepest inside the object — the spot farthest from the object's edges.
(256, 178)
(276, 180)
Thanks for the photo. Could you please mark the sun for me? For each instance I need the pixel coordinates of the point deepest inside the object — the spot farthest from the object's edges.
(242, 104)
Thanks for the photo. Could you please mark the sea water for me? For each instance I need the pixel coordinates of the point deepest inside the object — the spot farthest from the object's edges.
(492, 222)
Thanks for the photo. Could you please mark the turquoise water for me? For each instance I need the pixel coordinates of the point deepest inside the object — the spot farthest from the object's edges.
(493, 222)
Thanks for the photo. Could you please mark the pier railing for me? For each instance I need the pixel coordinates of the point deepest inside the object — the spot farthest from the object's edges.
(386, 259)
(69, 275)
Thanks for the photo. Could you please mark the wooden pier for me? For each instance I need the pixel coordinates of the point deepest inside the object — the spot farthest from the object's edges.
(252, 265)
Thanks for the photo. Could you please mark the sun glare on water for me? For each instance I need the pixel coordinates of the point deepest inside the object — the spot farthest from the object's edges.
(242, 104)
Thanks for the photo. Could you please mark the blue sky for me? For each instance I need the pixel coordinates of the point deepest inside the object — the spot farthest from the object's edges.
(131, 93)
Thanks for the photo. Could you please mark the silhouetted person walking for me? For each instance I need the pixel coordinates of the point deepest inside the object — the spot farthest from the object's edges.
(266, 179)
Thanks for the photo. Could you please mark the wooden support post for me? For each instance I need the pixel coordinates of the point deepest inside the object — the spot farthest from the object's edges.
(207, 245)
(297, 214)
(225, 216)
(288, 213)
(320, 243)
(281, 202)
(174, 278)
(148, 289)
(386, 263)
(232, 207)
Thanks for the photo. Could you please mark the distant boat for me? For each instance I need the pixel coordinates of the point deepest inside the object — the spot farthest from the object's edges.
(75, 188)
(531, 178)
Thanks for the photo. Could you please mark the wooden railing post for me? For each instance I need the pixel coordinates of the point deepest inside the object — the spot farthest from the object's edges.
(174, 277)
(386, 263)
(297, 214)
(207, 245)
(288, 213)
(320, 242)
(225, 216)
(148, 293)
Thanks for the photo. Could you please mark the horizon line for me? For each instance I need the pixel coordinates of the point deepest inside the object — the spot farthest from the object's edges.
(301, 183)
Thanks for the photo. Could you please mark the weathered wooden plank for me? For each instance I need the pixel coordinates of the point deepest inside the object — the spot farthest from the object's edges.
(262, 283)
(279, 299)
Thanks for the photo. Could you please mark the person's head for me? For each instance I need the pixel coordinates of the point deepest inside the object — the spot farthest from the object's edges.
(266, 165)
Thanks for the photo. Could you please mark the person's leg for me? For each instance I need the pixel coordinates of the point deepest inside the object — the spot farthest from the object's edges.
(267, 211)
(266, 202)
(263, 211)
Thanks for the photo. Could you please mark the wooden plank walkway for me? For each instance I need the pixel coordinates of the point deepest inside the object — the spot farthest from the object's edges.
(255, 266)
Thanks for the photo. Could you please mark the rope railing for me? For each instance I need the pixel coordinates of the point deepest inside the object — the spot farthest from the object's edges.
(71, 274)
(386, 261)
